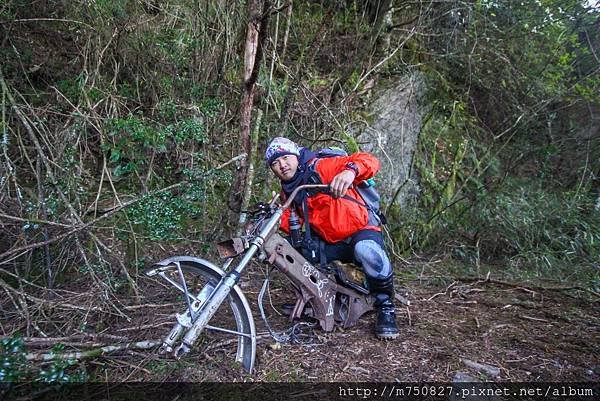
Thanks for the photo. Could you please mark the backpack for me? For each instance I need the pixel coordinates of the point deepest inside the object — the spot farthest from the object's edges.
(365, 189)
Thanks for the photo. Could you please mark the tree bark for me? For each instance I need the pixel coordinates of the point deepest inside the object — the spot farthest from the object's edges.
(255, 37)
(250, 175)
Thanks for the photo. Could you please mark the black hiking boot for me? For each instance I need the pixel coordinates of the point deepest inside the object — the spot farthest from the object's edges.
(383, 291)
(385, 326)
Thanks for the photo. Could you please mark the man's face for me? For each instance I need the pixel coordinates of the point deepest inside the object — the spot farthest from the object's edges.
(285, 167)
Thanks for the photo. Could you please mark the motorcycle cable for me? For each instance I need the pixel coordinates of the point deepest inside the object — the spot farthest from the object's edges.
(292, 334)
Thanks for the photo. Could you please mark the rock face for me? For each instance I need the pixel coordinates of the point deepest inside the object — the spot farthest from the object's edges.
(392, 137)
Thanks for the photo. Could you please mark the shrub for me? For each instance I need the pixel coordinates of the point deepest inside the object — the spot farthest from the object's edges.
(538, 225)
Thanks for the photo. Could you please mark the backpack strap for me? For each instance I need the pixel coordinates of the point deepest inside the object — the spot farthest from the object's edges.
(314, 246)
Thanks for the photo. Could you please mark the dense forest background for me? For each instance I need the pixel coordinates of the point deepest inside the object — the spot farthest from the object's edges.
(122, 123)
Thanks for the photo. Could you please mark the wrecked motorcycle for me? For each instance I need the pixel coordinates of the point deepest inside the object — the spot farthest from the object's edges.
(215, 304)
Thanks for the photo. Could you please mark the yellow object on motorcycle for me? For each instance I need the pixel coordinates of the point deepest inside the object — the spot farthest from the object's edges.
(351, 272)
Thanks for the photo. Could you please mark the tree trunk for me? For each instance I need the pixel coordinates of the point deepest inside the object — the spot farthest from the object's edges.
(250, 175)
(255, 37)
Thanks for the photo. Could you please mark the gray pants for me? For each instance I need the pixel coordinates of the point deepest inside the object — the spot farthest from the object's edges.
(365, 249)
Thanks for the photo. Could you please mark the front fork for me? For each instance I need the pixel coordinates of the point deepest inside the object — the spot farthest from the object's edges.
(205, 312)
(184, 320)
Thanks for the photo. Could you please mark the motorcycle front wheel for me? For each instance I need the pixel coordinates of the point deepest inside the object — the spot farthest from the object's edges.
(230, 332)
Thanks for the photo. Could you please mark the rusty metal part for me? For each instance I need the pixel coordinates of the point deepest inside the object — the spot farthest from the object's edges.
(231, 247)
(330, 301)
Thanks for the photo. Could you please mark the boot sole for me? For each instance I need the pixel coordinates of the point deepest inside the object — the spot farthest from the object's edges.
(387, 336)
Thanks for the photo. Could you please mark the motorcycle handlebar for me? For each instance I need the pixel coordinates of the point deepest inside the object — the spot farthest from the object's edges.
(289, 201)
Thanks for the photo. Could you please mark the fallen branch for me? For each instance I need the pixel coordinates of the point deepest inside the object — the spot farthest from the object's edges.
(64, 340)
(529, 287)
(92, 353)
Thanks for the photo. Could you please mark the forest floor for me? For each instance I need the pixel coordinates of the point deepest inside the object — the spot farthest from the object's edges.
(538, 331)
(519, 332)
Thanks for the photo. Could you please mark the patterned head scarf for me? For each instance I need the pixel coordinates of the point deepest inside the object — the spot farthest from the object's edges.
(280, 147)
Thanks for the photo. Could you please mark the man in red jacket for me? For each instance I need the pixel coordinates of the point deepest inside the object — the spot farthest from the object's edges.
(343, 227)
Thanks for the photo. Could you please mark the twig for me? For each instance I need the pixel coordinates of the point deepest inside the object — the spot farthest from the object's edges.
(132, 283)
(37, 221)
(135, 368)
(52, 20)
(385, 59)
(146, 326)
(442, 293)
(231, 341)
(21, 279)
(40, 151)
(535, 319)
(133, 307)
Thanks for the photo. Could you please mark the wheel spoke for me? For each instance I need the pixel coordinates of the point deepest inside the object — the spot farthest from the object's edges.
(222, 330)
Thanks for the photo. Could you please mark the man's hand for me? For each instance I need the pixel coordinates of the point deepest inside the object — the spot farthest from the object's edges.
(341, 182)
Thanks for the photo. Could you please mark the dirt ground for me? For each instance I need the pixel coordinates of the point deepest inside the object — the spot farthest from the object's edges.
(520, 332)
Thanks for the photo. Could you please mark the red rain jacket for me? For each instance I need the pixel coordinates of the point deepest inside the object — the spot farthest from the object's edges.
(336, 219)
